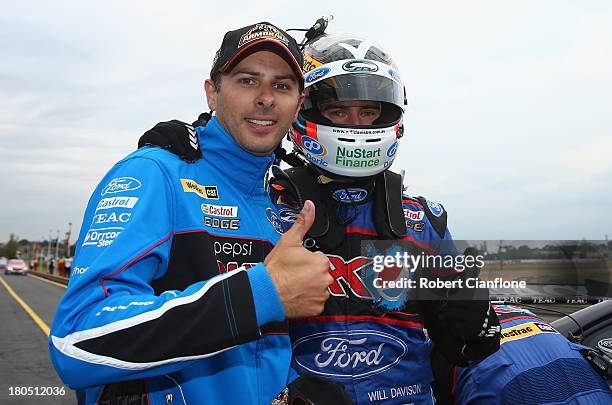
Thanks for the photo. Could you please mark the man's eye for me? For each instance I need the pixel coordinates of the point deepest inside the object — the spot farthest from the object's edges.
(247, 81)
(282, 86)
(337, 113)
(369, 113)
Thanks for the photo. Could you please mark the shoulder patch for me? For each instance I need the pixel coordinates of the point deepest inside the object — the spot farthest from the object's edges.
(436, 214)
(435, 208)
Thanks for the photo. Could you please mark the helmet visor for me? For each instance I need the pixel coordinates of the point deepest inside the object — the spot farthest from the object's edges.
(354, 86)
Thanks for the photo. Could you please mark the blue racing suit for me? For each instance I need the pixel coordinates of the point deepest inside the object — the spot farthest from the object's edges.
(534, 365)
(160, 306)
(367, 338)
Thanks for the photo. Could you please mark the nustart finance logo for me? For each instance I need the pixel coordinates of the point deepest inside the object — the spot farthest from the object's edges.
(357, 157)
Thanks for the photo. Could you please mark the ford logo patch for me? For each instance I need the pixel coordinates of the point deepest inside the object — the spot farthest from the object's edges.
(274, 220)
(350, 195)
(121, 184)
(351, 354)
(317, 74)
(435, 208)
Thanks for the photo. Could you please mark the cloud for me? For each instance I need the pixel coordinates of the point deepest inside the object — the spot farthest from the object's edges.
(508, 123)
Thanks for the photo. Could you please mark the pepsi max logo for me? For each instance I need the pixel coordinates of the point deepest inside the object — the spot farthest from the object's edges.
(338, 354)
(274, 220)
(313, 146)
(350, 195)
(317, 74)
(392, 149)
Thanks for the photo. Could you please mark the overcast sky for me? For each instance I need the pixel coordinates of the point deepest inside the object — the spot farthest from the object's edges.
(509, 123)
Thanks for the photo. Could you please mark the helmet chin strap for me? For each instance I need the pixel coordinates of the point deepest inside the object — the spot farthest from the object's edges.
(304, 183)
(343, 180)
(292, 159)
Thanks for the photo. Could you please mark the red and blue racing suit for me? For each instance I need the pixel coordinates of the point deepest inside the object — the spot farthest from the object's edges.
(369, 339)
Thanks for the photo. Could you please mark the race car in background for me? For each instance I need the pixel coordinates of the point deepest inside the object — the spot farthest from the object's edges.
(16, 266)
(591, 326)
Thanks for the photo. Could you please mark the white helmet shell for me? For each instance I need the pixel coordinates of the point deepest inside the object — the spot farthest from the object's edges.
(336, 72)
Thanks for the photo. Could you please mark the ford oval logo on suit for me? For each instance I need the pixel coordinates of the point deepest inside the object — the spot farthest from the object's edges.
(356, 355)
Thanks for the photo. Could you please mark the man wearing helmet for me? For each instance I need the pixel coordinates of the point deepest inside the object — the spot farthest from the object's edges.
(352, 110)
(347, 133)
(345, 139)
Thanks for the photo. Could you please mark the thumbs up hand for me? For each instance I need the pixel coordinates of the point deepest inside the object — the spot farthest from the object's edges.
(301, 277)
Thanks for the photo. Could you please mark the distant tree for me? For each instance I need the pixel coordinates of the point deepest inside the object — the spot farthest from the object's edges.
(10, 248)
(568, 250)
(483, 247)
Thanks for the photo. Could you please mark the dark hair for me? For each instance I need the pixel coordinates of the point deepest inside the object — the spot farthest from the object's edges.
(216, 79)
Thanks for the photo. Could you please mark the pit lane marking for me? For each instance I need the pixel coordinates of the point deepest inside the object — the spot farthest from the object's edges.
(41, 324)
(47, 281)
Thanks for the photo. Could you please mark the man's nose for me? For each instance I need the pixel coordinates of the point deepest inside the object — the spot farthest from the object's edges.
(265, 99)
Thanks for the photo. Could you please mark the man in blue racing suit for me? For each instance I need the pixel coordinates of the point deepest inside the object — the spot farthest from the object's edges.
(177, 294)
(534, 365)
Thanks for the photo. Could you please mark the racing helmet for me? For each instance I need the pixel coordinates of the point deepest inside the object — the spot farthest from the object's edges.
(342, 67)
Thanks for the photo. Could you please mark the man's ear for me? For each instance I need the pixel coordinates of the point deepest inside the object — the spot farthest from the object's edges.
(299, 106)
(211, 94)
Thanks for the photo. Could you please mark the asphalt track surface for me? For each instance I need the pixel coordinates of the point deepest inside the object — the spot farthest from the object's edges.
(24, 353)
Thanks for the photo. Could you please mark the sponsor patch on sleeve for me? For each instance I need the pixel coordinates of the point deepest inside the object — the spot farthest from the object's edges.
(208, 192)
(224, 211)
(116, 202)
(525, 330)
(102, 237)
(121, 184)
